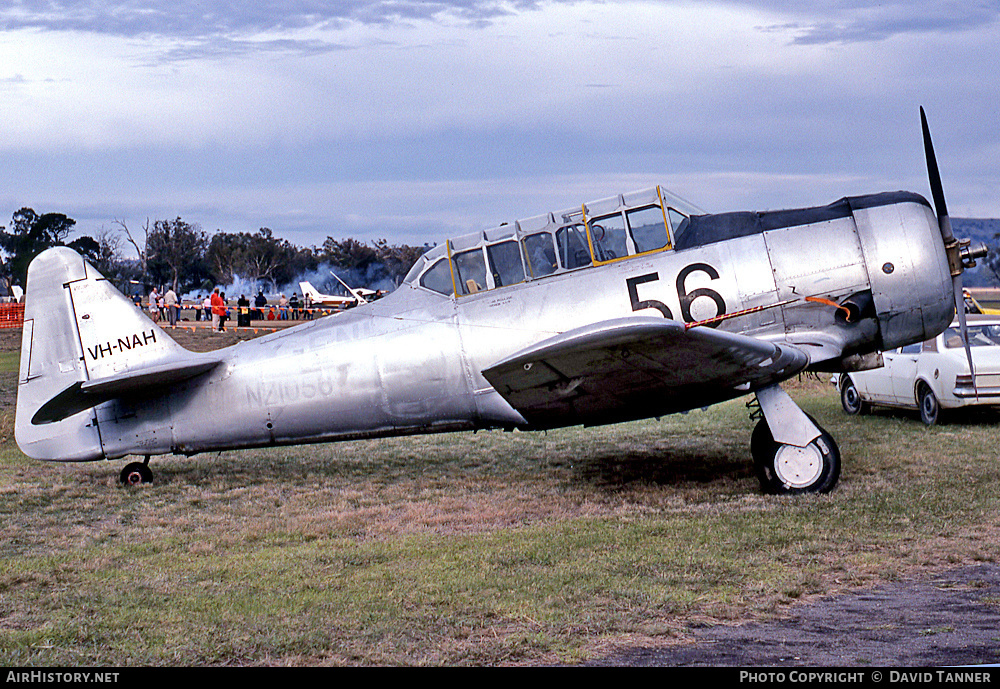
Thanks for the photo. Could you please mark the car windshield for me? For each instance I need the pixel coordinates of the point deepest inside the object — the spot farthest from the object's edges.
(979, 336)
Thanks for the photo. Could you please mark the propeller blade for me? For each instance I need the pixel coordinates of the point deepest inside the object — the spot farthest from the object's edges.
(948, 236)
(963, 328)
(934, 176)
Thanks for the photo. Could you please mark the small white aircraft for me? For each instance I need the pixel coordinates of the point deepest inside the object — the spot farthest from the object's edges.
(332, 300)
(631, 307)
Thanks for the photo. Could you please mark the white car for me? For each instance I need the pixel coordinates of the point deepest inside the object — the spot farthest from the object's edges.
(932, 375)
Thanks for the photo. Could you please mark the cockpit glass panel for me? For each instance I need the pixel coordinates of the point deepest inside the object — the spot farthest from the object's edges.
(438, 278)
(648, 229)
(678, 223)
(608, 235)
(605, 230)
(571, 241)
(541, 254)
(415, 269)
(505, 263)
(470, 271)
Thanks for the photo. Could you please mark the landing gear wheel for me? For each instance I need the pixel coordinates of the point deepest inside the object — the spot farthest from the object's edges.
(850, 398)
(136, 473)
(930, 410)
(789, 470)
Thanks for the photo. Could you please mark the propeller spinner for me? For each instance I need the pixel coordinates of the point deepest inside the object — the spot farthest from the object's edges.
(961, 254)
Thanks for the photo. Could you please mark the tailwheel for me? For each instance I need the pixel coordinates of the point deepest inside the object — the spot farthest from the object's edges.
(136, 473)
(790, 470)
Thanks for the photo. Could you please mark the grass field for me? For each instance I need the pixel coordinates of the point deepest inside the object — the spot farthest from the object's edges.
(470, 549)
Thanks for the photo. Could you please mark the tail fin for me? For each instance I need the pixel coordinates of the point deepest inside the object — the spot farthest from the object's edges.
(81, 339)
(308, 289)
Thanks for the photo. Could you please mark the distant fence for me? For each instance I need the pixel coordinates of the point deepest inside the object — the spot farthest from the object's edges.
(11, 315)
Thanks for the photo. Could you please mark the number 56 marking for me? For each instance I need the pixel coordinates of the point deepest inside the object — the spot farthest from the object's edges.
(684, 297)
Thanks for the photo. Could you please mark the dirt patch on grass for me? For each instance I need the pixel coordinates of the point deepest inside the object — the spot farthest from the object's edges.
(951, 619)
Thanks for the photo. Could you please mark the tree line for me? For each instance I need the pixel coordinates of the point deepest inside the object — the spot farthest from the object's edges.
(179, 254)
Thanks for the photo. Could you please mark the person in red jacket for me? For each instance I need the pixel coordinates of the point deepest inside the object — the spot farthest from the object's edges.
(218, 310)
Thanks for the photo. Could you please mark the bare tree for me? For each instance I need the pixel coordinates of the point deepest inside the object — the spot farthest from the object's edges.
(140, 250)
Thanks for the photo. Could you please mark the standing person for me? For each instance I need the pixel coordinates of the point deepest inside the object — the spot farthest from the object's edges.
(260, 302)
(243, 311)
(307, 312)
(225, 313)
(206, 304)
(294, 304)
(170, 302)
(283, 308)
(154, 305)
(218, 310)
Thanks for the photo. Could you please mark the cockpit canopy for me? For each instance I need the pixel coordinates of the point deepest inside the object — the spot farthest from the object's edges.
(594, 234)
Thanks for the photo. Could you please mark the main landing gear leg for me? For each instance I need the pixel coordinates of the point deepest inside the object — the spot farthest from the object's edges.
(135, 473)
(792, 453)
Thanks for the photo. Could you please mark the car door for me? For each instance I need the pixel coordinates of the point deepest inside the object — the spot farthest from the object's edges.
(876, 384)
(904, 374)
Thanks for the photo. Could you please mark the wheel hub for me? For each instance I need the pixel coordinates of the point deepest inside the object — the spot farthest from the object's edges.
(798, 467)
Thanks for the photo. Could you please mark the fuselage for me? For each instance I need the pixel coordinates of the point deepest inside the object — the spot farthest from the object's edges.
(412, 362)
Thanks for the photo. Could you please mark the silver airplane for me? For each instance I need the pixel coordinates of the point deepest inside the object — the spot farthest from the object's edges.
(631, 307)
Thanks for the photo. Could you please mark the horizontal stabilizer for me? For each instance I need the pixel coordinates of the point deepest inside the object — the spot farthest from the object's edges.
(83, 395)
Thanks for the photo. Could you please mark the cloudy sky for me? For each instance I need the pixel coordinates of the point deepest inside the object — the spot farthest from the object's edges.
(414, 121)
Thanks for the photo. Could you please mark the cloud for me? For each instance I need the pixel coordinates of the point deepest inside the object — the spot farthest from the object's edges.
(820, 23)
(224, 47)
(183, 18)
(816, 22)
(201, 18)
(186, 30)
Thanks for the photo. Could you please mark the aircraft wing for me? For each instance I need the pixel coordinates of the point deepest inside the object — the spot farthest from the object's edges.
(634, 368)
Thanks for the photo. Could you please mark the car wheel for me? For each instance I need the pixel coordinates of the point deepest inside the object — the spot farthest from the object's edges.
(850, 397)
(930, 410)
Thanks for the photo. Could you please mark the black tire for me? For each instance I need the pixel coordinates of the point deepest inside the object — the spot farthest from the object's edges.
(930, 410)
(136, 473)
(850, 397)
(789, 470)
